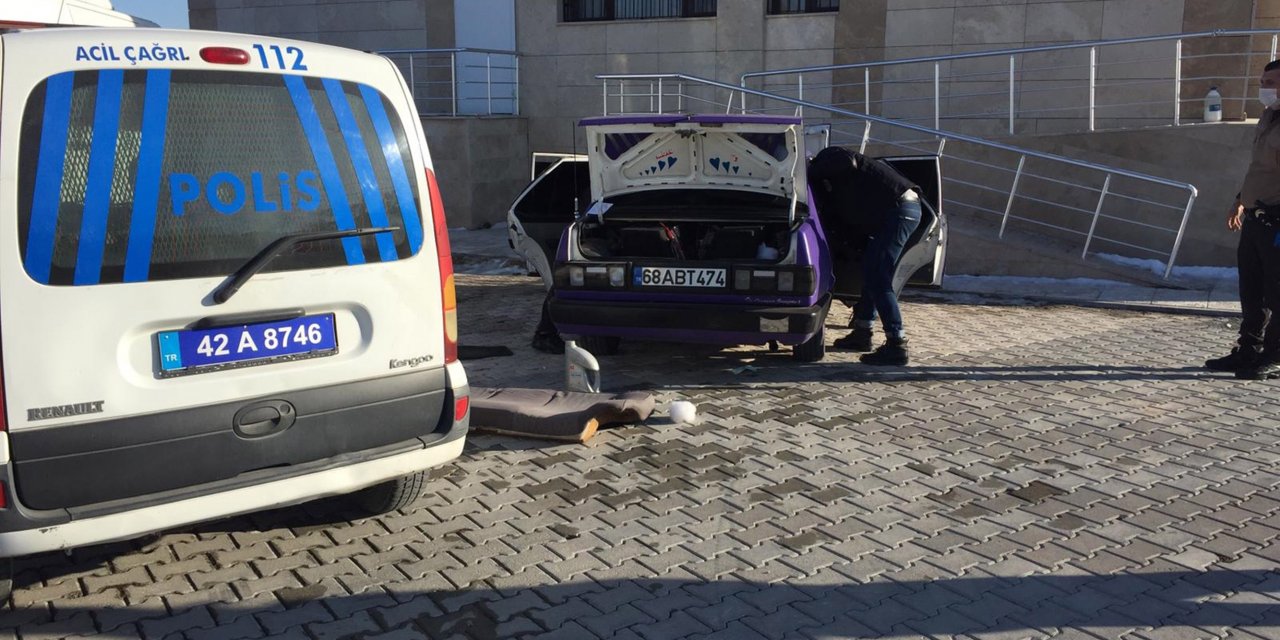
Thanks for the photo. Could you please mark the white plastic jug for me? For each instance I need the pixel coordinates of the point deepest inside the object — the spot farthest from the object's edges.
(581, 370)
(1213, 105)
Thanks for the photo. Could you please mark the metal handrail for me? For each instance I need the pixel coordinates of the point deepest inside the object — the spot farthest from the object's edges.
(1018, 78)
(1085, 44)
(434, 94)
(941, 136)
(504, 52)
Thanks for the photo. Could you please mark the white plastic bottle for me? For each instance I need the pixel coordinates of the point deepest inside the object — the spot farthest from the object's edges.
(1213, 105)
(581, 370)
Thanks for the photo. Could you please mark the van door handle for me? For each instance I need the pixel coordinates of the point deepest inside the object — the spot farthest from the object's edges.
(264, 419)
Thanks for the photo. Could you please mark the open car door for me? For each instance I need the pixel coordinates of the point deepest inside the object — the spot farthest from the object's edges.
(923, 257)
(541, 212)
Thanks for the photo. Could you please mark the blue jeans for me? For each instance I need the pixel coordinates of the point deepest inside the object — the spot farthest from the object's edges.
(879, 262)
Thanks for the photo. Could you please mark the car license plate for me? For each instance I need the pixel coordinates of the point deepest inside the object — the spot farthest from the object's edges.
(200, 350)
(677, 277)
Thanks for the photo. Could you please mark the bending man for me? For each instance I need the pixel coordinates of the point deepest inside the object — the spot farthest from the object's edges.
(868, 199)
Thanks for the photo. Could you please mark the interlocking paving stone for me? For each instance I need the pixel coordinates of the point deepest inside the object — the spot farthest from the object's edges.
(1037, 472)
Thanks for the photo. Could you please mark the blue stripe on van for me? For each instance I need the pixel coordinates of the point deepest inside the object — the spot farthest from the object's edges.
(102, 169)
(328, 168)
(47, 198)
(146, 192)
(395, 166)
(364, 168)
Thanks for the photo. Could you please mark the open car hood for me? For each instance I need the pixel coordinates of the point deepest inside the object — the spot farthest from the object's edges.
(759, 154)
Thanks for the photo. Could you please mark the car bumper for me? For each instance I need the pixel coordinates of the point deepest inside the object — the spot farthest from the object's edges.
(689, 322)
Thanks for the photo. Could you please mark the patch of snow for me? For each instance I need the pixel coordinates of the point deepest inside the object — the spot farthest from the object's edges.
(1157, 267)
(993, 282)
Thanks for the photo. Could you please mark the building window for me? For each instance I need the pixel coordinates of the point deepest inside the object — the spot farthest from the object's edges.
(597, 10)
(802, 6)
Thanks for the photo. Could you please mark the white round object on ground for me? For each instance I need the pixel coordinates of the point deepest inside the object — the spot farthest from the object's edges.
(683, 412)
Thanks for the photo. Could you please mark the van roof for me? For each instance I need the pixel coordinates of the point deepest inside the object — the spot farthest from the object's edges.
(73, 36)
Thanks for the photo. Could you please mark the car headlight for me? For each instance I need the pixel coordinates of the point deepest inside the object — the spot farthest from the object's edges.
(617, 275)
(577, 276)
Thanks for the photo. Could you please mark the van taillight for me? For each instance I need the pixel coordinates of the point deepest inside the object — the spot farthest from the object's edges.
(224, 55)
(448, 295)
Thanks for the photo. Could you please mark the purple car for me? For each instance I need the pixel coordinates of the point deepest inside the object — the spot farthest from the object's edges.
(698, 228)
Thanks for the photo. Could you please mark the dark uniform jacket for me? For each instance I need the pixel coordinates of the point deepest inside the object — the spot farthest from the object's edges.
(1262, 180)
(853, 192)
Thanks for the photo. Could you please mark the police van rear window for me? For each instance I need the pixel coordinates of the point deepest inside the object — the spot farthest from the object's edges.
(130, 176)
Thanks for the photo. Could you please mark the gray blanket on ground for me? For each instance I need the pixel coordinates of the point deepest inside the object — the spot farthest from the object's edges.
(556, 415)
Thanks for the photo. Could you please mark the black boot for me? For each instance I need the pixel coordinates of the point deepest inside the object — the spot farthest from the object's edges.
(1239, 358)
(1264, 367)
(893, 353)
(858, 340)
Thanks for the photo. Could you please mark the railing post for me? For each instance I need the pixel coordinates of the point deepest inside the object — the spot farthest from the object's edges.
(1097, 211)
(1012, 71)
(1093, 86)
(1275, 39)
(1182, 229)
(660, 95)
(937, 95)
(515, 96)
(651, 98)
(866, 90)
(413, 87)
(605, 98)
(800, 95)
(1177, 82)
(680, 99)
(866, 136)
(453, 81)
(1013, 192)
(488, 81)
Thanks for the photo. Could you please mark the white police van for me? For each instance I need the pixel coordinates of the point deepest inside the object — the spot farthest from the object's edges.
(225, 284)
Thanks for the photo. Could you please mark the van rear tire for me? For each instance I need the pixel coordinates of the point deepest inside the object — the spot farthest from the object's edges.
(813, 349)
(391, 495)
(600, 345)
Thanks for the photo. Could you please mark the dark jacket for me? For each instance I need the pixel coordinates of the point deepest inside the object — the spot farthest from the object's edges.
(853, 192)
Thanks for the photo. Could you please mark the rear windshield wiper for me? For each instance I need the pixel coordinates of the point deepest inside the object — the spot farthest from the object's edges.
(268, 253)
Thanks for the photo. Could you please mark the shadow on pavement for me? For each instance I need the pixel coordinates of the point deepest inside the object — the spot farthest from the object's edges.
(665, 608)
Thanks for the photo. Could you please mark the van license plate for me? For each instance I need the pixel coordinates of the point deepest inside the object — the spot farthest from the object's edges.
(202, 350)
(676, 277)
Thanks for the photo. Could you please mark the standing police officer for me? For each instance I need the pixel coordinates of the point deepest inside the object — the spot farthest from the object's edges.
(866, 200)
(1256, 214)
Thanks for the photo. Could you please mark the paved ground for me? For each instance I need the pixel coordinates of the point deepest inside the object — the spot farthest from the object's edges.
(1041, 472)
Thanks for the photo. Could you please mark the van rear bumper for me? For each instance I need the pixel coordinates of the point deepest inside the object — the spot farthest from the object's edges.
(24, 531)
(269, 495)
